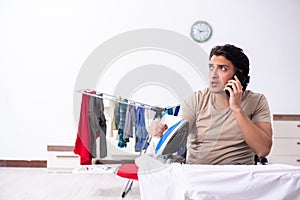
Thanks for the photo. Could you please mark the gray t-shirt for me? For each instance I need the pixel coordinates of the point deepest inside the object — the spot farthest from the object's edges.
(215, 137)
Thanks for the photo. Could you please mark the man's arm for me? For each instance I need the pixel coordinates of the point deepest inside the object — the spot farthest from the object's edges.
(257, 135)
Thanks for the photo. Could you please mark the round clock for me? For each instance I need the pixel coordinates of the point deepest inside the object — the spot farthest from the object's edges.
(201, 31)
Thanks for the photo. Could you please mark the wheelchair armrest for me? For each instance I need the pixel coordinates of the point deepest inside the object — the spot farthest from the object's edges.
(260, 160)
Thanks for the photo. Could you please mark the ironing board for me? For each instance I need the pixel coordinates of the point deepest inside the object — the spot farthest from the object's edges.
(176, 181)
(171, 141)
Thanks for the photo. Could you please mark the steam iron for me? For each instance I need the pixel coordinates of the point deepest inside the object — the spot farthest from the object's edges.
(174, 137)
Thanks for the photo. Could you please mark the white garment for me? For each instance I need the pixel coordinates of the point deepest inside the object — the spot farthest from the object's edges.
(176, 181)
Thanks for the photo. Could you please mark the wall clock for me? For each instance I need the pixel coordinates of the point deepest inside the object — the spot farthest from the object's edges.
(201, 31)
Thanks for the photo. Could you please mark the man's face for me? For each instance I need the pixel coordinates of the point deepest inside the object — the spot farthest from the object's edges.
(220, 71)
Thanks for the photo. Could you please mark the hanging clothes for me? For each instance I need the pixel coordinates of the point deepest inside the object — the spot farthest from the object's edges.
(97, 126)
(122, 116)
(113, 107)
(168, 111)
(158, 112)
(117, 115)
(130, 121)
(176, 110)
(141, 131)
(84, 145)
(123, 109)
(103, 128)
(122, 143)
(149, 116)
(83, 140)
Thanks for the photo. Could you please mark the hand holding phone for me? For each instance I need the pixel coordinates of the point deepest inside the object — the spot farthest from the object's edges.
(242, 78)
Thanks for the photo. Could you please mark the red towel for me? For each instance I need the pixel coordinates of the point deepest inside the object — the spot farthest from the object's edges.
(83, 140)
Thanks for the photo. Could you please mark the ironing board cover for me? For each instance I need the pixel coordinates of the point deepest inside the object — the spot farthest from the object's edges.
(128, 171)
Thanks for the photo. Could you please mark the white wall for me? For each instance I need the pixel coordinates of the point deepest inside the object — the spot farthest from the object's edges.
(43, 45)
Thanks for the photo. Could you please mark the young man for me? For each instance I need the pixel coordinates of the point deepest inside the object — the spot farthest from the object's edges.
(225, 128)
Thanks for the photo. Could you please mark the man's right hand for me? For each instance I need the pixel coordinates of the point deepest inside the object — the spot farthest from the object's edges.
(157, 128)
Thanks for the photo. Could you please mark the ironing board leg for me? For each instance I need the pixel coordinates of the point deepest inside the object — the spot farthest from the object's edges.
(127, 188)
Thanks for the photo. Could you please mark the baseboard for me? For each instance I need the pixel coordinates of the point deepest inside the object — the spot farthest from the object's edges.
(59, 148)
(23, 163)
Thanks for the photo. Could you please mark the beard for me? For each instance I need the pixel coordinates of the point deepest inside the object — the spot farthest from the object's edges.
(217, 91)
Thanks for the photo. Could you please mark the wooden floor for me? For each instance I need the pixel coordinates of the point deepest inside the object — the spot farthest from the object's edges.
(38, 184)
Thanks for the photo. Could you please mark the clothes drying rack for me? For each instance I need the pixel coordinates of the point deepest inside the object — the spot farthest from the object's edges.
(106, 96)
(128, 170)
(158, 110)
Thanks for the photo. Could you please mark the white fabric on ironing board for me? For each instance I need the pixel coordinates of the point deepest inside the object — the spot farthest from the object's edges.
(176, 181)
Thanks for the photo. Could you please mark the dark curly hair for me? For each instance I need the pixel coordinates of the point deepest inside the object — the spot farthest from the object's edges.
(236, 56)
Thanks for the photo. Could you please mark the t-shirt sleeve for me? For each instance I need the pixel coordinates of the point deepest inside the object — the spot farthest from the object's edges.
(189, 108)
(262, 112)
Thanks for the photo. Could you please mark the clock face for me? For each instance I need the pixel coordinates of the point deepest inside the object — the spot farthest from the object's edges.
(201, 31)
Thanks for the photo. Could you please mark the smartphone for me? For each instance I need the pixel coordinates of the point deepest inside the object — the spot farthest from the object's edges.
(242, 78)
